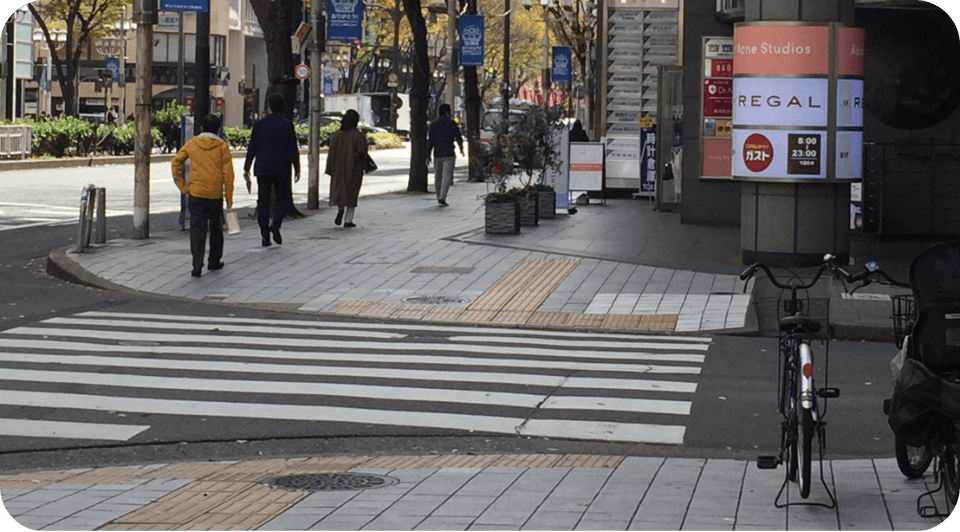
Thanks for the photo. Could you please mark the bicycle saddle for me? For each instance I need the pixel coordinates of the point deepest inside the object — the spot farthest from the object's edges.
(792, 323)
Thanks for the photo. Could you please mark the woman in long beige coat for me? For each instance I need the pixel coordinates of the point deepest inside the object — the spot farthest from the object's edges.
(345, 163)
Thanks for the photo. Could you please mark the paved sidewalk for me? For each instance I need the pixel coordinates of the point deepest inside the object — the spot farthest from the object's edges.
(463, 492)
(411, 259)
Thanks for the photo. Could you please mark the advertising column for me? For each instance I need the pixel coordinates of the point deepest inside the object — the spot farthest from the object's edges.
(797, 102)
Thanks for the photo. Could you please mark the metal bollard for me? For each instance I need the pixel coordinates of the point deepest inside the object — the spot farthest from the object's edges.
(87, 200)
(101, 194)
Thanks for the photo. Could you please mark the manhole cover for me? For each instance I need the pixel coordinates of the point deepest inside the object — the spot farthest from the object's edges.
(332, 481)
(435, 300)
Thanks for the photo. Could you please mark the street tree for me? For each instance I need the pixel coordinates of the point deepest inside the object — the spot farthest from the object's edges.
(81, 22)
(276, 20)
(419, 97)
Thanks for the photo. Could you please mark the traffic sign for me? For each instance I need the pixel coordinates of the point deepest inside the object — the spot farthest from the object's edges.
(302, 71)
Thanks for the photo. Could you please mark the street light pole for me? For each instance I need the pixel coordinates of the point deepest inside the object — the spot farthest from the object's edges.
(454, 59)
(545, 84)
(505, 89)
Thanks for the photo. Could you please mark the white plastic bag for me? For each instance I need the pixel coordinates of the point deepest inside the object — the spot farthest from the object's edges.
(233, 222)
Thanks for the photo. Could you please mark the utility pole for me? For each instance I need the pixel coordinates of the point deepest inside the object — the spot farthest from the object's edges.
(145, 16)
(452, 85)
(316, 83)
(201, 71)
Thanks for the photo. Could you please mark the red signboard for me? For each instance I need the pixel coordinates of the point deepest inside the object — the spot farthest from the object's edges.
(757, 152)
(720, 68)
(850, 51)
(717, 98)
(717, 158)
(781, 49)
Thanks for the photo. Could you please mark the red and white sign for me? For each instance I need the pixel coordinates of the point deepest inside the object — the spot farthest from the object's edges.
(716, 158)
(302, 71)
(717, 98)
(718, 68)
(768, 153)
(757, 153)
(781, 49)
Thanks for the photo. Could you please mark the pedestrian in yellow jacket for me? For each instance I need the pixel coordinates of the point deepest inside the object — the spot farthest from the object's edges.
(210, 182)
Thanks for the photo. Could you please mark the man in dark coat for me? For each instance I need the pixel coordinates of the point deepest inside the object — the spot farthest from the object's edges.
(440, 139)
(273, 144)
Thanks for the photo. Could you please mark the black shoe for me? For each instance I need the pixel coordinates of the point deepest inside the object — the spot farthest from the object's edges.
(265, 241)
(276, 235)
(339, 219)
(215, 266)
(443, 203)
(349, 224)
(196, 273)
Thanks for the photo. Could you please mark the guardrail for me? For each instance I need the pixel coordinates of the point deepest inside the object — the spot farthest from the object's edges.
(16, 141)
(93, 209)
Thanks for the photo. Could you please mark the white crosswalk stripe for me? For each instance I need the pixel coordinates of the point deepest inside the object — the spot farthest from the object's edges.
(69, 371)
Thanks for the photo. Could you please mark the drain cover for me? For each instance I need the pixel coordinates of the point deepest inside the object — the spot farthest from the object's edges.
(332, 481)
(435, 300)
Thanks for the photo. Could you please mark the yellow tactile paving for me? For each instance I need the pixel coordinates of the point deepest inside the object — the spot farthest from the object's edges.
(659, 322)
(528, 460)
(621, 321)
(549, 319)
(352, 307)
(589, 460)
(525, 286)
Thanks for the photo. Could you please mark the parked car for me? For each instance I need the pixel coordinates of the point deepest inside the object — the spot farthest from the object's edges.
(492, 121)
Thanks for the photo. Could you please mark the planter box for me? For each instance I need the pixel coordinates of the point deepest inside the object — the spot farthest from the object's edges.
(547, 207)
(528, 209)
(502, 218)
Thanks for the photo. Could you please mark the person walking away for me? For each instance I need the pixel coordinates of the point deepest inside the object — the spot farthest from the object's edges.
(273, 145)
(345, 163)
(211, 181)
(441, 136)
(577, 133)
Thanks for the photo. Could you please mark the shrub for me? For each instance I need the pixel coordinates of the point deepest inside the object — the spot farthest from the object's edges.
(237, 137)
(56, 137)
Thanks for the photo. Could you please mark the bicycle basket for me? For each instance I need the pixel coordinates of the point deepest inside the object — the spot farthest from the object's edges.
(904, 315)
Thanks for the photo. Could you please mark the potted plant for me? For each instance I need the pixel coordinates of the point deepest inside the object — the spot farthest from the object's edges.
(525, 152)
(535, 150)
(501, 209)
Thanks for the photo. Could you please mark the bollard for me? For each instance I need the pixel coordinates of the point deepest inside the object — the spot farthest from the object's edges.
(87, 199)
(101, 194)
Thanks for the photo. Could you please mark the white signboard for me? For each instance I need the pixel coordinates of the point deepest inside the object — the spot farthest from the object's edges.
(780, 101)
(586, 166)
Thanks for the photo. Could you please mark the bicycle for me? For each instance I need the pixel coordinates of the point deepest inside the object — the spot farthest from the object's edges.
(802, 405)
(924, 410)
(912, 460)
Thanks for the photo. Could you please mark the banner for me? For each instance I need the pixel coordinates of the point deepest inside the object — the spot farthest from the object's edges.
(471, 40)
(561, 65)
(344, 20)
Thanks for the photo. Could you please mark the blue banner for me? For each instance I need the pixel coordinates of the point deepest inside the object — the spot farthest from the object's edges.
(344, 20)
(471, 40)
(648, 159)
(113, 65)
(186, 6)
(561, 65)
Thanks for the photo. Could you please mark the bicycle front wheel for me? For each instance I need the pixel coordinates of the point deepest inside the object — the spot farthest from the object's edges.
(912, 461)
(805, 428)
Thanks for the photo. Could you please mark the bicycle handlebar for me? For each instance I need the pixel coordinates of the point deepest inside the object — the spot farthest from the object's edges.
(827, 265)
(871, 268)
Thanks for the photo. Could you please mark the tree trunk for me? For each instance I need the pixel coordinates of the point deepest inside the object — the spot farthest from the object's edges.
(276, 18)
(419, 98)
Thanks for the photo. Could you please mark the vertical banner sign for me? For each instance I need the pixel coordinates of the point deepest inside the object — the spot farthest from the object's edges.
(797, 115)
(648, 159)
(113, 65)
(471, 40)
(344, 20)
(561, 65)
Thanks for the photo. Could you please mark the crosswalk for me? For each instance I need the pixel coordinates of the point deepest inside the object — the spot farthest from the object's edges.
(67, 377)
